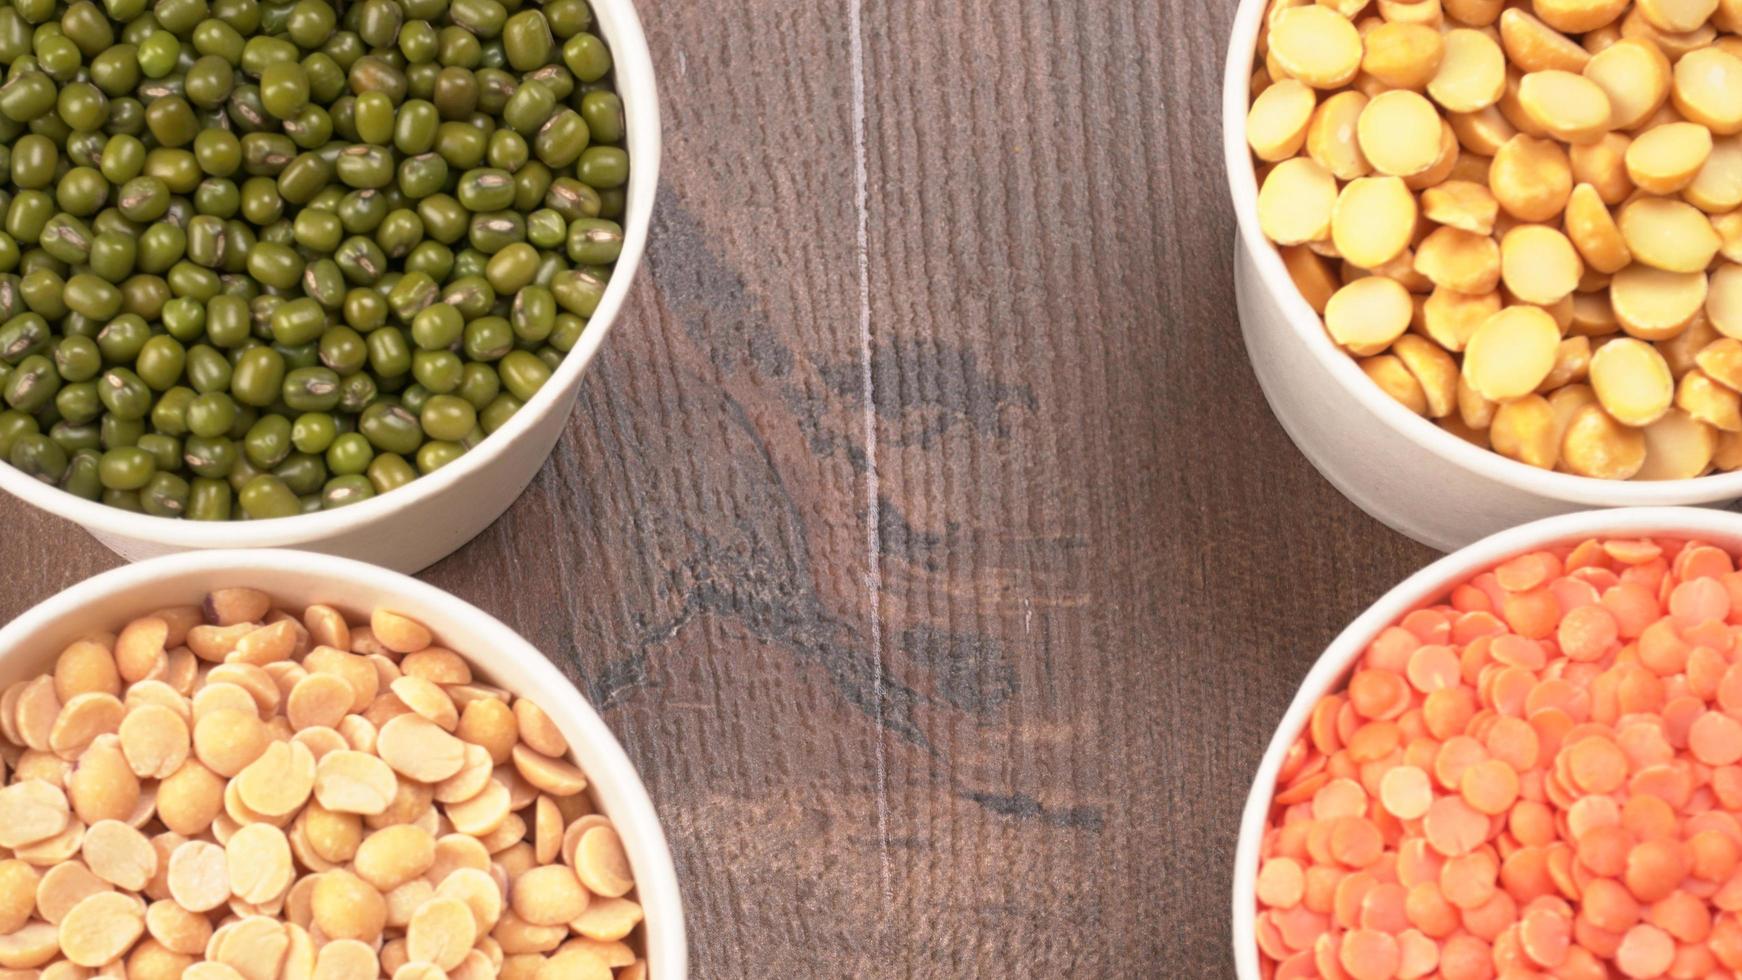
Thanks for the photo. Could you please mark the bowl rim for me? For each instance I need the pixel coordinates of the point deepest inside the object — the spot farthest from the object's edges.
(1242, 186)
(632, 65)
(1427, 584)
(655, 875)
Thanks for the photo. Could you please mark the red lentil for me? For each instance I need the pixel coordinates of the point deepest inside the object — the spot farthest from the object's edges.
(1539, 776)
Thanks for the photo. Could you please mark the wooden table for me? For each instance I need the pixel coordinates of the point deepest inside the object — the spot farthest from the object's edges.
(922, 531)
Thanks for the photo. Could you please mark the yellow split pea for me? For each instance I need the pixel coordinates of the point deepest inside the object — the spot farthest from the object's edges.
(290, 808)
(1524, 221)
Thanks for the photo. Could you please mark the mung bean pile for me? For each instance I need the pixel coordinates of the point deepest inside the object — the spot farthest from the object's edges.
(1521, 219)
(232, 792)
(267, 258)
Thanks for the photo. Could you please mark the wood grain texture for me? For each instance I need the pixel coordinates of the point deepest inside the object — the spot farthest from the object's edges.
(1100, 567)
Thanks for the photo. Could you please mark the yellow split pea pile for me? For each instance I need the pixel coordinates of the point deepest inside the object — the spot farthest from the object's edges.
(235, 793)
(1521, 218)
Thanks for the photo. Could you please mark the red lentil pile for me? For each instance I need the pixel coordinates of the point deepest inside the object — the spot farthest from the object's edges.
(1538, 776)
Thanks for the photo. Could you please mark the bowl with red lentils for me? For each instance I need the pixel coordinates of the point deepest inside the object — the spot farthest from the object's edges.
(1525, 760)
(230, 765)
(1487, 258)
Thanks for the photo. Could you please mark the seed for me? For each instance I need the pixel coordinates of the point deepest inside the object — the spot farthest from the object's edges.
(455, 852)
(1539, 265)
(427, 699)
(1597, 445)
(578, 964)
(1511, 353)
(418, 748)
(226, 740)
(1568, 106)
(279, 782)
(232, 606)
(1461, 261)
(255, 947)
(120, 855)
(442, 932)
(482, 813)
(139, 650)
(319, 700)
(215, 643)
(190, 799)
(85, 667)
(100, 928)
(478, 892)
(64, 886)
(1402, 55)
(347, 907)
(1593, 231)
(18, 886)
(356, 671)
(548, 896)
(1525, 430)
(602, 865)
(1368, 314)
(438, 666)
(394, 855)
(1471, 74)
(1653, 304)
(355, 782)
(31, 811)
(1399, 133)
(1709, 401)
(266, 644)
(29, 947)
(1372, 220)
(1316, 45)
(1677, 447)
(1632, 381)
(178, 929)
(258, 863)
(1668, 235)
(1331, 137)
(1664, 159)
(492, 724)
(1296, 202)
(610, 919)
(155, 741)
(398, 633)
(1461, 204)
(199, 878)
(538, 731)
(1277, 124)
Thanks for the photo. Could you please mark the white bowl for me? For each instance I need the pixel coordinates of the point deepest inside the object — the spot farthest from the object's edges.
(28, 645)
(419, 524)
(1397, 466)
(1428, 585)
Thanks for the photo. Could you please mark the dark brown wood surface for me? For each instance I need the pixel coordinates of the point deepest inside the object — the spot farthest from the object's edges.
(921, 531)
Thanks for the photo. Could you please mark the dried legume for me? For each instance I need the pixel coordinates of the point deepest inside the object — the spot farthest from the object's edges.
(1432, 171)
(258, 260)
(306, 797)
(1535, 775)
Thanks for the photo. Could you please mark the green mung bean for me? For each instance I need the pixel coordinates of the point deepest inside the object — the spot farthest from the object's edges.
(257, 259)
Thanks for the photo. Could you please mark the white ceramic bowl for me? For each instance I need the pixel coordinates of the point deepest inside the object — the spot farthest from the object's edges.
(1428, 585)
(417, 525)
(1395, 465)
(28, 645)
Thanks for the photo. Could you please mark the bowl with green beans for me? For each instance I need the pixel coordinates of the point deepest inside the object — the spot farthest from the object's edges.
(309, 273)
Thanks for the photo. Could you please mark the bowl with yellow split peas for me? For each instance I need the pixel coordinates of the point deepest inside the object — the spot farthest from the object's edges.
(225, 764)
(1486, 264)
